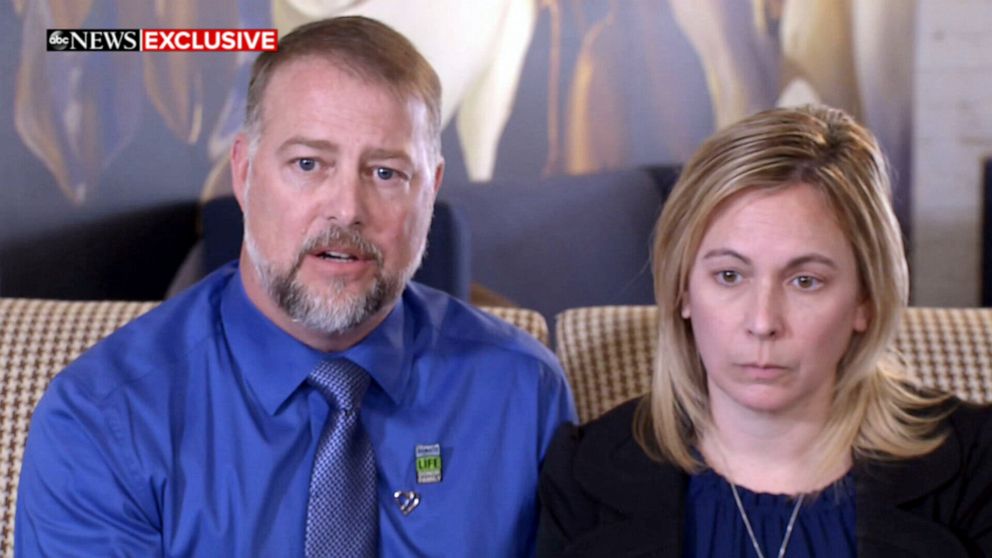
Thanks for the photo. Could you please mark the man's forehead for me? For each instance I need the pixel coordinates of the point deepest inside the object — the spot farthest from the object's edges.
(288, 73)
(286, 83)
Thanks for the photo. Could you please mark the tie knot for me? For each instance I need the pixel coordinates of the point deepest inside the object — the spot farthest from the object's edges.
(341, 382)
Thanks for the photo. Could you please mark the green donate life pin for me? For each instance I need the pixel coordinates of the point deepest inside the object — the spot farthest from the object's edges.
(428, 463)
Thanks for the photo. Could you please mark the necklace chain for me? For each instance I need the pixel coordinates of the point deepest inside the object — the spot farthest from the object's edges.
(750, 531)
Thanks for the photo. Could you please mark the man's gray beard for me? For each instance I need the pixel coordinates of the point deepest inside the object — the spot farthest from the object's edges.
(336, 312)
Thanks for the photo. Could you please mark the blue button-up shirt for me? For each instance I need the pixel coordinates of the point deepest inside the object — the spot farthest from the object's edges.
(192, 432)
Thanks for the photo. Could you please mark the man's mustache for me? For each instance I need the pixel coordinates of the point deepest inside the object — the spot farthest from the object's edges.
(340, 238)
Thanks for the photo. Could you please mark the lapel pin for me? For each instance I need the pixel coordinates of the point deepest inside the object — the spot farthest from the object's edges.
(407, 500)
(428, 463)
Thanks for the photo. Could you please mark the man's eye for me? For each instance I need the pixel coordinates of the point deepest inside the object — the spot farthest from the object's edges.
(728, 277)
(383, 173)
(306, 164)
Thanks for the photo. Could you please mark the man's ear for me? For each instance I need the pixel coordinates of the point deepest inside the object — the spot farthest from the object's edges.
(239, 167)
(438, 174)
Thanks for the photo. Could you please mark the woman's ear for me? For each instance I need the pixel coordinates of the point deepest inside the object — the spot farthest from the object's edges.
(862, 316)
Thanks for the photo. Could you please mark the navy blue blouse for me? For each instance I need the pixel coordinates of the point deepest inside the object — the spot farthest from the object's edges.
(714, 528)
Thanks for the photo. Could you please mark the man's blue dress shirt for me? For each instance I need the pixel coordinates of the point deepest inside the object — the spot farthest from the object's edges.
(192, 432)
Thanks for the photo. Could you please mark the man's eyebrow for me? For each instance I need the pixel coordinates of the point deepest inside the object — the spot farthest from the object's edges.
(320, 145)
(387, 154)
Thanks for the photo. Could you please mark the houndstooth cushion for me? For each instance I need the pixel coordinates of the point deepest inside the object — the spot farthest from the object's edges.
(949, 349)
(530, 321)
(607, 352)
(38, 338)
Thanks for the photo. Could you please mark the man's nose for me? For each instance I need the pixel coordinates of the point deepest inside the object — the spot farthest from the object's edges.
(765, 318)
(344, 199)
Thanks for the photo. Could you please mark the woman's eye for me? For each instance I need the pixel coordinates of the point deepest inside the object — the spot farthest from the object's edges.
(806, 282)
(383, 173)
(306, 164)
(728, 277)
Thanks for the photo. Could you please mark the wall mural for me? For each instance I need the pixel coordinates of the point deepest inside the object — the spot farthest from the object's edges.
(532, 89)
(76, 112)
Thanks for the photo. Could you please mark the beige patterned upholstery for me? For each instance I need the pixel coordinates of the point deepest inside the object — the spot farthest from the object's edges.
(607, 352)
(530, 321)
(950, 349)
(37, 339)
(40, 337)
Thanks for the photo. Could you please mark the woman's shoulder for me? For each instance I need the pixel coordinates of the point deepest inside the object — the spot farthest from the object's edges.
(968, 430)
(602, 461)
(600, 492)
(608, 431)
(967, 418)
(964, 424)
(964, 454)
(965, 427)
(948, 488)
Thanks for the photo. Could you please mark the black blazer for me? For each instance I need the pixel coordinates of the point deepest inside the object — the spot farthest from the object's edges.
(602, 496)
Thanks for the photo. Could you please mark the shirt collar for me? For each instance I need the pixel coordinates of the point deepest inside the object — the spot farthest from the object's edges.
(274, 363)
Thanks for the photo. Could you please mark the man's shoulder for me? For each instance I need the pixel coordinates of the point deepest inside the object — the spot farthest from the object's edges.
(157, 341)
(469, 328)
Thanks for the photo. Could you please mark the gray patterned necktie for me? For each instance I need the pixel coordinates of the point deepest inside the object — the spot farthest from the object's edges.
(343, 512)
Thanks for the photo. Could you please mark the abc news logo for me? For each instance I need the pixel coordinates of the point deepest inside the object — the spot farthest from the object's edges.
(94, 39)
(164, 40)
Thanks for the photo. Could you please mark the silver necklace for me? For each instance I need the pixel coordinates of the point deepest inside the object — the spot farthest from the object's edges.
(750, 531)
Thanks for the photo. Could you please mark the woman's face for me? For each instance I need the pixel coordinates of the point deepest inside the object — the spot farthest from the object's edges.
(773, 299)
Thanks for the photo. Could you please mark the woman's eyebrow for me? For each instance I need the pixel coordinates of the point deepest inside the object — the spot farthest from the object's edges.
(812, 258)
(798, 261)
(723, 252)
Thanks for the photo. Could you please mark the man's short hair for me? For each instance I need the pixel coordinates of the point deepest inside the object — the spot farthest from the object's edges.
(371, 49)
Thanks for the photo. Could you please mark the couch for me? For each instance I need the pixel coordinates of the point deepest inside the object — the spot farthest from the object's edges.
(606, 352)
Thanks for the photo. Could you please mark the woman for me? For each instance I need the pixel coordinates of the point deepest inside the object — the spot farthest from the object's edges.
(777, 423)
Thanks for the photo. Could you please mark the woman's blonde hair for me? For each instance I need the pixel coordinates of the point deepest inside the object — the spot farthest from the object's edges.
(874, 408)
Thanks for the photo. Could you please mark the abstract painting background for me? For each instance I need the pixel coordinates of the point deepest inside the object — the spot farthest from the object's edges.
(533, 88)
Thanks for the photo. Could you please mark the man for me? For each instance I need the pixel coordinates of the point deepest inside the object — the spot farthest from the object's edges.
(307, 400)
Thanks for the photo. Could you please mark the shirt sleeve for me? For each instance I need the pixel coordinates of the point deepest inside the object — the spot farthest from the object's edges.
(76, 494)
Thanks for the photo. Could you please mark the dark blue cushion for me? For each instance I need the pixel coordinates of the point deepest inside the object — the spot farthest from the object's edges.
(568, 241)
